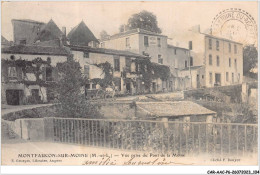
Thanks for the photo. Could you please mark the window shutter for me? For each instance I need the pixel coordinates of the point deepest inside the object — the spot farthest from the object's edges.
(19, 73)
(44, 73)
(55, 74)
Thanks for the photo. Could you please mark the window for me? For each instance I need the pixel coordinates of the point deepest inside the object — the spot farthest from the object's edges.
(48, 74)
(49, 59)
(136, 67)
(235, 49)
(160, 59)
(12, 72)
(232, 77)
(210, 59)
(117, 82)
(127, 42)
(202, 76)
(210, 78)
(227, 76)
(210, 44)
(175, 51)
(191, 61)
(94, 86)
(87, 86)
(159, 42)
(35, 94)
(128, 62)
(190, 45)
(235, 62)
(238, 77)
(146, 41)
(186, 64)
(116, 63)
(229, 47)
(229, 62)
(86, 71)
(23, 41)
(86, 55)
(102, 45)
(217, 60)
(217, 45)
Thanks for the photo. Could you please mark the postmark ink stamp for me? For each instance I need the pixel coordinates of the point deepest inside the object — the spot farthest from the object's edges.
(235, 24)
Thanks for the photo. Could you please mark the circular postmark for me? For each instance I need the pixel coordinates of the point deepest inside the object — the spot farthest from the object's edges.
(235, 24)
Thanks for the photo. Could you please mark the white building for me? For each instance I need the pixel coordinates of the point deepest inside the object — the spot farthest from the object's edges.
(21, 88)
(214, 61)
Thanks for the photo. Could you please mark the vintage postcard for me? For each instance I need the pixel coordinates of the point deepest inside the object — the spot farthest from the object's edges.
(129, 83)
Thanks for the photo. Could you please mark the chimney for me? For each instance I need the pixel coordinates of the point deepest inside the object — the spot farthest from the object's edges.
(195, 28)
(64, 30)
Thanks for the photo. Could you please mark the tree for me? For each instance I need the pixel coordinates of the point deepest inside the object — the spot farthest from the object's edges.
(104, 35)
(69, 88)
(143, 20)
(250, 60)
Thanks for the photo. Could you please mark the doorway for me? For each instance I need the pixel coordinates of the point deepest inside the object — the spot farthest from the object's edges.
(154, 87)
(198, 81)
(14, 97)
(217, 79)
(128, 88)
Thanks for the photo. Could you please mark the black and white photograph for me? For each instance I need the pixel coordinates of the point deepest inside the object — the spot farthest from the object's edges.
(135, 83)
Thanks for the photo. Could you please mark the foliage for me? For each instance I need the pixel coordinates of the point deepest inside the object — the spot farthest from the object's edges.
(104, 35)
(35, 66)
(108, 75)
(69, 89)
(143, 20)
(250, 60)
(150, 71)
(243, 113)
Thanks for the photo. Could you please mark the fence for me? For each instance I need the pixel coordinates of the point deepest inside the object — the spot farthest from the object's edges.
(166, 137)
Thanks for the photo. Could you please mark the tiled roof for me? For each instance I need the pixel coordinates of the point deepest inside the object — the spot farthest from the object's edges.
(129, 32)
(192, 68)
(171, 46)
(49, 31)
(35, 50)
(81, 35)
(105, 51)
(28, 20)
(174, 109)
(4, 40)
(220, 38)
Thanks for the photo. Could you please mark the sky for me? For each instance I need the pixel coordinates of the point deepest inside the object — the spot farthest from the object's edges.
(174, 18)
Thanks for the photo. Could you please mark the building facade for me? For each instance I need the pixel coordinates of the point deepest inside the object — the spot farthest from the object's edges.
(123, 63)
(19, 81)
(214, 61)
(142, 42)
(157, 48)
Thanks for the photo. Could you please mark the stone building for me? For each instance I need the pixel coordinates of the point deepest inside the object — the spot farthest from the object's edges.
(28, 32)
(122, 62)
(155, 46)
(214, 61)
(19, 87)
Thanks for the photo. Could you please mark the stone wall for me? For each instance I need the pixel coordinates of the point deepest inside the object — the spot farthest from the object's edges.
(34, 129)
